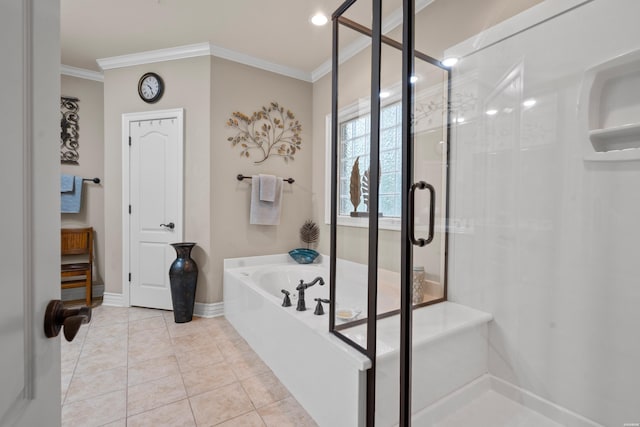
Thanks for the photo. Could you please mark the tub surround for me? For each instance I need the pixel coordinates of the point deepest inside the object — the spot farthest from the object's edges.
(554, 217)
(307, 361)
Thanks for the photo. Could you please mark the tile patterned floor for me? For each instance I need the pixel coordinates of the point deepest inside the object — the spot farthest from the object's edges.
(136, 367)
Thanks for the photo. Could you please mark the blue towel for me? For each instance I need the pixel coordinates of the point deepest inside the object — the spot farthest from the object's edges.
(70, 201)
(66, 183)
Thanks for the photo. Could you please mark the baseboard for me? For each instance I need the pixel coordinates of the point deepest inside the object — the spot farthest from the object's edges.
(214, 309)
(74, 294)
(113, 300)
(200, 309)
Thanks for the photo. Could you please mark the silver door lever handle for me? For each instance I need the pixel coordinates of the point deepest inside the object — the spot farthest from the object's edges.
(170, 226)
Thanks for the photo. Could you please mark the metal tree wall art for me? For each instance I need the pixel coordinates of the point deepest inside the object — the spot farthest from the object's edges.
(272, 131)
(69, 130)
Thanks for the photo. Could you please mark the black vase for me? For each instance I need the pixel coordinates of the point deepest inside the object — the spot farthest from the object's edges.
(183, 276)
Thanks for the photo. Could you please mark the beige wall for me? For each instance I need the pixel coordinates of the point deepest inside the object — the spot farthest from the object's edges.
(216, 204)
(187, 84)
(237, 87)
(91, 163)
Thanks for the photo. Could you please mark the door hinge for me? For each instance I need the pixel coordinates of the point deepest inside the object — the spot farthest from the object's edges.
(129, 209)
(129, 141)
(129, 277)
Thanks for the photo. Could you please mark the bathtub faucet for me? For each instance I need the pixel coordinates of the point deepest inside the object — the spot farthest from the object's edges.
(302, 287)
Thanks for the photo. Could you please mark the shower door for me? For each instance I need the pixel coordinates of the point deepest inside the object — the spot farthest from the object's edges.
(389, 185)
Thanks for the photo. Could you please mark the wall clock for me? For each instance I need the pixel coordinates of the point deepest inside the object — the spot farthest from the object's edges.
(150, 87)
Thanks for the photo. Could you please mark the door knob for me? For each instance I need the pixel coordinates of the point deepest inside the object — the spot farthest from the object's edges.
(56, 316)
(170, 226)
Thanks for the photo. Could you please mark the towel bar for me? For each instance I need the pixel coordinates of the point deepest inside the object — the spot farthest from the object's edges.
(94, 180)
(240, 177)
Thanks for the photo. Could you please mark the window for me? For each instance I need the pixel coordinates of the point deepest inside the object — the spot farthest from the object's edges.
(354, 134)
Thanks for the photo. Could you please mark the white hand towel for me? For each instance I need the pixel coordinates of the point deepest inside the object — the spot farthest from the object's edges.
(265, 213)
(267, 188)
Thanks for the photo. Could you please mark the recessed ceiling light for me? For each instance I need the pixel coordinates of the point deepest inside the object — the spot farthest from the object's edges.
(529, 102)
(384, 94)
(449, 62)
(319, 19)
(491, 112)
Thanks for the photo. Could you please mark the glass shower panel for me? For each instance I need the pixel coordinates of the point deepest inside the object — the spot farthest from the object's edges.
(383, 152)
(390, 178)
(389, 237)
(353, 163)
(430, 177)
(428, 212)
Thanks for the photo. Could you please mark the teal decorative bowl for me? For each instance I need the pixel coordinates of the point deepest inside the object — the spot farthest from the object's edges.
(303, 256)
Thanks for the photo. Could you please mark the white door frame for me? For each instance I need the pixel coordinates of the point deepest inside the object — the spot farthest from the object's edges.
(127, 118)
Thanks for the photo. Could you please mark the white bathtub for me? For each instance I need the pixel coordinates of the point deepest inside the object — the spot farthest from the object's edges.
(327, 376)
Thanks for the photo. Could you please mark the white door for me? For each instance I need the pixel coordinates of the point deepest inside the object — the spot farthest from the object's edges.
(155, 194)
(30, 212)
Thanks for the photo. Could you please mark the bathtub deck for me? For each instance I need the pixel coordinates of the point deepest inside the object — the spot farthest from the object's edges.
(429, 324)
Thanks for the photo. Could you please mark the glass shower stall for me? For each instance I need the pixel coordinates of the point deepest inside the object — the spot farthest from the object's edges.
(500, 188)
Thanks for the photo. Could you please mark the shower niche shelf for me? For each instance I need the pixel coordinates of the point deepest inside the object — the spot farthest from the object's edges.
(609, 109)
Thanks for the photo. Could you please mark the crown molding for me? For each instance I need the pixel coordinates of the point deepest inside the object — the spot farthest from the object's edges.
(199, 49)
(152, 56)
(321, 71)
(81, 73)
(232, 55)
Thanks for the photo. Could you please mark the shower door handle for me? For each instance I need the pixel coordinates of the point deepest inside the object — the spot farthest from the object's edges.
(421, 185)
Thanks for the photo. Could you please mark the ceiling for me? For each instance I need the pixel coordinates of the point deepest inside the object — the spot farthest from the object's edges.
(276, 31)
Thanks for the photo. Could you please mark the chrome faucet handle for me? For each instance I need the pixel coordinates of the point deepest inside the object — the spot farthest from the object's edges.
(287, 300)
